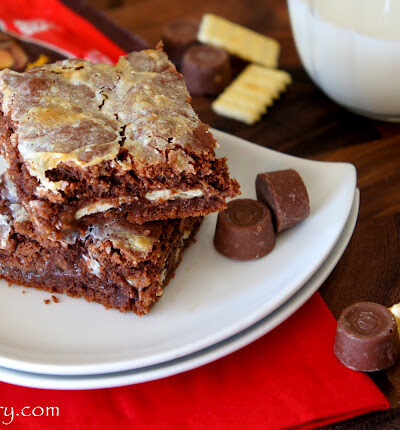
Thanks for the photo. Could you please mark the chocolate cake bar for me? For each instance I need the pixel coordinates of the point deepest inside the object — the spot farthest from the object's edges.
(96, 140)
(116, 263)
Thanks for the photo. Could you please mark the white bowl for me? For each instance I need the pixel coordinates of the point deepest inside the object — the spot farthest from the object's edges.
(351, 49)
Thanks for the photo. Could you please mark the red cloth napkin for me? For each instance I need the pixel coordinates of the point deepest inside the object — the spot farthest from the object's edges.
(290, 378)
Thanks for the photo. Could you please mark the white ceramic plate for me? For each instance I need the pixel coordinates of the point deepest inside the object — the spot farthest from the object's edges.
(210, 299)
(204, 356)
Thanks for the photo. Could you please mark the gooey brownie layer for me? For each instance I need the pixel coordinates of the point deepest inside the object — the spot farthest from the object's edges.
(87, 139)
(117, 264)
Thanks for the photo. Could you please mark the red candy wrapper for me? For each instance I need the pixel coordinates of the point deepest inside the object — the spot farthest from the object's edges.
(50, 27)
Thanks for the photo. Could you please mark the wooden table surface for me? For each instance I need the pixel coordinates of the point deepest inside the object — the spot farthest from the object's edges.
(306, 123)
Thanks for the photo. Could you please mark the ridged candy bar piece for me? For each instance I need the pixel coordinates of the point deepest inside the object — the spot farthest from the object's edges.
(248, 96)
(239, 40)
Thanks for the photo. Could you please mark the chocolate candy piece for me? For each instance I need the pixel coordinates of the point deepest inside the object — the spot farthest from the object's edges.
(206, 69)
(244, 230)
(177, 37)
(367, 338)
(11, 54)
(286, 195)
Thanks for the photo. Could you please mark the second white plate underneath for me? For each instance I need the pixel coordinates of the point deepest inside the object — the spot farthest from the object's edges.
(210, 299)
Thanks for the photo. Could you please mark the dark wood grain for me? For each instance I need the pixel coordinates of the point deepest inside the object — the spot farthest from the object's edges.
(305, 122)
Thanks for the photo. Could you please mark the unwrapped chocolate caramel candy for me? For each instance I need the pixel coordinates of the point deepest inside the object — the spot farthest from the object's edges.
(11, 54)
(206, 69)
(367, 337)
(244, 230)
(286, 195)
(178, 36)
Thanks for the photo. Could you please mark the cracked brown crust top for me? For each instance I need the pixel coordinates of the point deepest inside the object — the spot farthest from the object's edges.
(76, 112)
(86, 139)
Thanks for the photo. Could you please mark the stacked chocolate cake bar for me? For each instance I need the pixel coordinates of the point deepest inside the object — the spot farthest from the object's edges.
(110, 172)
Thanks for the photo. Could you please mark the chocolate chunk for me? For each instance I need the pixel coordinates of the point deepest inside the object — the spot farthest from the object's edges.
(367, 338)
(11, 54)
(206, 69)
(19, 56)
(177, 37)
(244, 230)
(286, 195)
